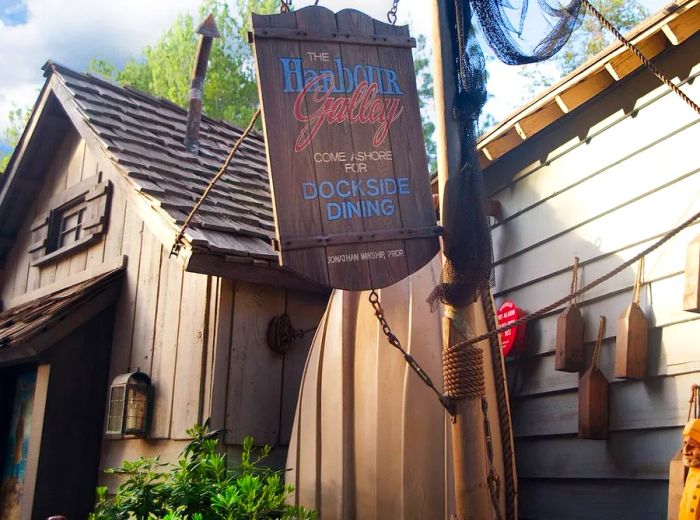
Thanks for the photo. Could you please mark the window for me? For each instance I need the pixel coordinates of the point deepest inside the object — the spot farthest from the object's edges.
(76, 218)
(71, 225)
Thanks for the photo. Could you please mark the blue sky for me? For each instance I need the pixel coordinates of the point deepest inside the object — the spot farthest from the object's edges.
(13, 12)
(72, 32)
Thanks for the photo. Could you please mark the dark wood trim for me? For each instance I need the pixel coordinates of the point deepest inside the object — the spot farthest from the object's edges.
(76, 246)
(361, 238)
(254, 271)
(299, 35)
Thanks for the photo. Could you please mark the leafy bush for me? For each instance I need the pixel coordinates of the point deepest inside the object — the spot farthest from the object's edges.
(199, 487)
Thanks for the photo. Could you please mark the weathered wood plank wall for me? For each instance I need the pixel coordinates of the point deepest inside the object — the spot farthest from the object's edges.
(602, 184)
(202, 339)
(254, 388)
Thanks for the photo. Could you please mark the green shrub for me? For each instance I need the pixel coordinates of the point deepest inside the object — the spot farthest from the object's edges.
(200, 487)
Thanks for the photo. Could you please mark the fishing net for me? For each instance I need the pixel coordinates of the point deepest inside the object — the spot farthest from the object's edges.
(513, 30)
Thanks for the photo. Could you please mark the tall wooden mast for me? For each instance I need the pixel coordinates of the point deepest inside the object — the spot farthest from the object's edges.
(468, 437)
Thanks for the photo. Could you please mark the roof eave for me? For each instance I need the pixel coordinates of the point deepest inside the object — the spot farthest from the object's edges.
(590, 79)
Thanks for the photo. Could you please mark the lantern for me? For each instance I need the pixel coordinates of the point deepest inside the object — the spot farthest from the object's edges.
(130, 405)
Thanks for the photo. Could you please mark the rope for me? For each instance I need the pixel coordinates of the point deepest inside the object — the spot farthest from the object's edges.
(693, 402)
(649, 65)
(574, 281)
(463, 371)
(281, 333)
(178, 239)
(503, 410)
(599, 342)
(638, 282)
(544, 310)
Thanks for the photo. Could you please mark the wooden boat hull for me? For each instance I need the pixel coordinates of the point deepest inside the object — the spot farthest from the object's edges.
(370, 440)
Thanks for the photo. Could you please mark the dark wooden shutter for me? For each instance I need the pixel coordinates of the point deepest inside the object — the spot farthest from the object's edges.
(97, 199)
(40, 236)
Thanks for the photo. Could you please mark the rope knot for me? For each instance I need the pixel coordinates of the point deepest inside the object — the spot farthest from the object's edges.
(463, 370)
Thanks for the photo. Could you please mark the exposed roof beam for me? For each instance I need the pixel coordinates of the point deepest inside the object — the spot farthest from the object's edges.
(611, 70)
(670, 34)
(561, 104)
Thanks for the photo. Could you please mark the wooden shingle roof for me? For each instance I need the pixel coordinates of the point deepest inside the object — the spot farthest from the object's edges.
(27, 329)
(143, 135)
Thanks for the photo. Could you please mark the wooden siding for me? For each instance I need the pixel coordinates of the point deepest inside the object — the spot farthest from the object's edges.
(159, 318)
(255, 390)
(602, 184)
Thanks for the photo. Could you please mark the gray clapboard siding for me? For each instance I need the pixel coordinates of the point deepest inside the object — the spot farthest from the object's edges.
(625, 455)
(660, 402)
(661, 302)
(610, 229)
(592, 499)
(661, 263)
(603, 183)
(590, 155)
(668, 355)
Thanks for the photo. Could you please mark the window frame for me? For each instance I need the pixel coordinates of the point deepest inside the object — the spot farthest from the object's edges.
(92, 198)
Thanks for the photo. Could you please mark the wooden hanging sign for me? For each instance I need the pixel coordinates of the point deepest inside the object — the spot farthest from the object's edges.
(347, 162)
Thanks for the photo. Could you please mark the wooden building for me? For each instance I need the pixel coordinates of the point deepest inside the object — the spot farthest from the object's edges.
(90, 205)
(598, 167)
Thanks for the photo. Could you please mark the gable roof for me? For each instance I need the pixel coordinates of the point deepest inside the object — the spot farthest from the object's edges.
(143, 137)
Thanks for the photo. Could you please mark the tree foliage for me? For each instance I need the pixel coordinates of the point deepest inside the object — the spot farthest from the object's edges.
(424, 82)
(164, 69)
(17, 118)
(586, 41)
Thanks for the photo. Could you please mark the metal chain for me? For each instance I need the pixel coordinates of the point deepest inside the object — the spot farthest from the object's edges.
(633, 48)
(493, 480)
(391, 15)
(177, 245)
(446, 402)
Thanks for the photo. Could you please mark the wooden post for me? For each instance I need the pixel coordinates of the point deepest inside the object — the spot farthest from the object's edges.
(468, 439)
(208, 32)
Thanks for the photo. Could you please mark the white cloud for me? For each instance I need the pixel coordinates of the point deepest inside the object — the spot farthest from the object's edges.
(72, 32)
